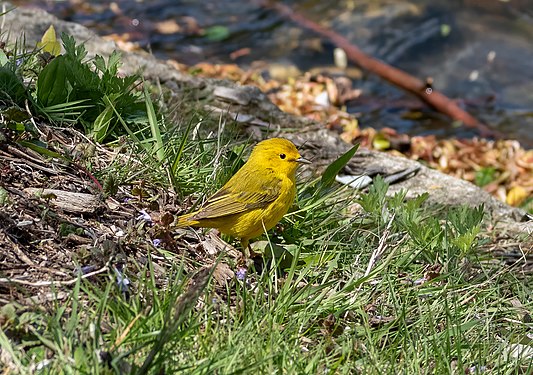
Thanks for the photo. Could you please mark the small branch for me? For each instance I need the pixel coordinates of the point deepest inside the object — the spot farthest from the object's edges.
(7, 280)
(124, 334)
(88, 174)
(391, 74)
(382, 246)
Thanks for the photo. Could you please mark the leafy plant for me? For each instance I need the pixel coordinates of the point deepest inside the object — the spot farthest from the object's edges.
(11, 88)
(68, 90)
(446, 236)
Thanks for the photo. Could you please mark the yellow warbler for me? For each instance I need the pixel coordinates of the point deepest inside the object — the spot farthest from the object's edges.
(256, 197)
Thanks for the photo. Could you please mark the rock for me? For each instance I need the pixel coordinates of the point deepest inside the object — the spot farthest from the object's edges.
(323, 146)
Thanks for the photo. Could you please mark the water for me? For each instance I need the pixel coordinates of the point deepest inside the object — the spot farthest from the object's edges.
(476, 50)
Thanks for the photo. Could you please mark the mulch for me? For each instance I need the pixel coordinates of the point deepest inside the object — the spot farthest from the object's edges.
(58, 224)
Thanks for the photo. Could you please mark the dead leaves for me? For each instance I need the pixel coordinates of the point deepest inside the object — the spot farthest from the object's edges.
(502, 168)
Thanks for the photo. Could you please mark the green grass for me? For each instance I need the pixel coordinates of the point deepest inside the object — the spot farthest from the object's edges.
(394, 287)
(321, 315)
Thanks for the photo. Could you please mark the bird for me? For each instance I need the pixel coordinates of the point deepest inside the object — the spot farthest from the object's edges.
(256, 197)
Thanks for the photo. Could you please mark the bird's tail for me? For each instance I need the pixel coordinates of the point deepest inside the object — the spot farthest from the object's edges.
(185, 221)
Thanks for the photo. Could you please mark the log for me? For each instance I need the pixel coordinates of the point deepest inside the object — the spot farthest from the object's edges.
(66, 200)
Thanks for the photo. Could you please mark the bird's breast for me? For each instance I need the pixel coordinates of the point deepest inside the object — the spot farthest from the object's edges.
(279, 207)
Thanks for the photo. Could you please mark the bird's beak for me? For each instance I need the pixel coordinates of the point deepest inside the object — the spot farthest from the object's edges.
(303, 161)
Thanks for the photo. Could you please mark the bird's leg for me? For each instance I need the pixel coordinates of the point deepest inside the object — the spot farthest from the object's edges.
(243, 261)
(247, 253)
(251, 253)
(245, 244)
(247, 249)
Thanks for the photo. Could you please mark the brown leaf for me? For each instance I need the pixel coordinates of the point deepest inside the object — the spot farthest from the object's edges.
(167, 27)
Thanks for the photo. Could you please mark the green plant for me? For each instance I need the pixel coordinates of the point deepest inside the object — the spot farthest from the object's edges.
(68, 90)
(485, 176)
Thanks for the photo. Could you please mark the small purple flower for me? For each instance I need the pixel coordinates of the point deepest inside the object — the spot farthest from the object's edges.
(156, 242)
(144, 216)
(122, 281)
(241, 273)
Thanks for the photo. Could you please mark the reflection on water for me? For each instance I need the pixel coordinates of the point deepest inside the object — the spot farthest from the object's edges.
(477, 50)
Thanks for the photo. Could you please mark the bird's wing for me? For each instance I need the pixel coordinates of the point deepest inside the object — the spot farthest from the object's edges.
(251, 194)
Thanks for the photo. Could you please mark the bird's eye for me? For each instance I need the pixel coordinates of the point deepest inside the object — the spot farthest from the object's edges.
(283, 156)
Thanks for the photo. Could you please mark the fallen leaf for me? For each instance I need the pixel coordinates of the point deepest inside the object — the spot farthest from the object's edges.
(516, 196)
(168, 27)
(49, 42)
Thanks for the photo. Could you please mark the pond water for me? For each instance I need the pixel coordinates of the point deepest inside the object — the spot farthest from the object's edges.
(480, 51)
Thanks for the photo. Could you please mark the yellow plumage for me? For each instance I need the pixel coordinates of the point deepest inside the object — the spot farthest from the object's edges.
(256, 197)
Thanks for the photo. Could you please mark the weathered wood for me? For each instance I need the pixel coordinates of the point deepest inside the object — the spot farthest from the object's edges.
(66, 200)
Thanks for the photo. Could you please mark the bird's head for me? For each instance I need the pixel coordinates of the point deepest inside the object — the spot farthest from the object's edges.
(279, 154)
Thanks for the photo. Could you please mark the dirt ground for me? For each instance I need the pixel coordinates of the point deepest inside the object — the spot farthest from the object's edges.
(59, 223)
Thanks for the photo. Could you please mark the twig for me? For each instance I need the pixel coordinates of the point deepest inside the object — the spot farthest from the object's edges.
(21, 255)
(376, 254)
(123, 335)
(7, 280)
(401, 175)
(81, 168)
(391, 74)
(32, 119)
(30, 160)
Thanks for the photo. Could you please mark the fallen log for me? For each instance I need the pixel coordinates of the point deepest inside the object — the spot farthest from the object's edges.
(80, 203)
